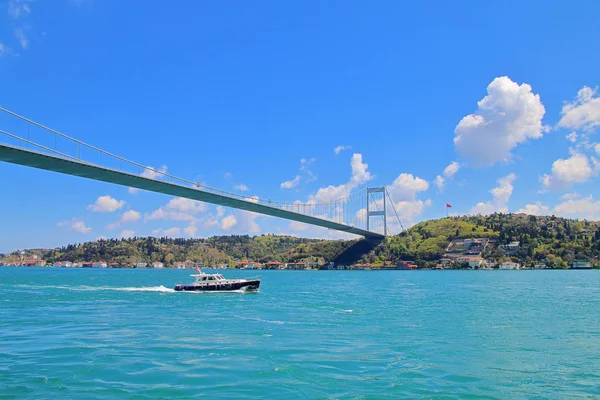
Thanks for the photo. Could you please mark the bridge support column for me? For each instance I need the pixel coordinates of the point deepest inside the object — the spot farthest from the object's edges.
(379, 212)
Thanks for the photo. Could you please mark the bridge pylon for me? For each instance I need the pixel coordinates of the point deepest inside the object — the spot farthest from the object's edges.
(372, 196)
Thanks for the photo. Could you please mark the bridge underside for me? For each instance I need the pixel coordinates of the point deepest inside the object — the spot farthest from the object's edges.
(34, 159)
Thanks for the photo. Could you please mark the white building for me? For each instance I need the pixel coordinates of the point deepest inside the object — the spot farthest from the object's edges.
(581, 264)
(99, 265)
(157, 264)
(141, 265)
(509, 265)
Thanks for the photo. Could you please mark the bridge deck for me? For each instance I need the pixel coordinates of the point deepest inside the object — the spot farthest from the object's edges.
(74, 167)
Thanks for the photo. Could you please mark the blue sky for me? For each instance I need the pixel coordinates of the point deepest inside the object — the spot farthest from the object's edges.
(488, 106)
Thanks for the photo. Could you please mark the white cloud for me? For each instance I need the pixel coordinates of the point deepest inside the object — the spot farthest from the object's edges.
(132, 190)
(228, 222)
(404, 191)
(534, 209)
(5, 50)
(439, 182)
(101, 238)
(241, 188)
(451, 169)
(126, 217)
(572, 137)
(341, 148)
(178, 209)
(406, 187)
(184, 205)
(509, 115)
(19, 8)
(448, 172)
(298, 226)
(482, 208)
(156, 232)
(152, 173)
(581, 208)
(408, 211)
(360, 175)
(568, 196)
(191, 229)
(75, 225)
(306, 161)
(290, 184)
(130, 216)
(566, 172)
(308, 175)
(173, 232)
(501, 195)
(246, 222)
(126, 234)
(106, 204)
(23, 41)
(583, 112)
(227, 175)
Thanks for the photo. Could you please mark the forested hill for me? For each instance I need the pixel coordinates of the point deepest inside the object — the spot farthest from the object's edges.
(548, 239)
(551, 240)
(212, 251)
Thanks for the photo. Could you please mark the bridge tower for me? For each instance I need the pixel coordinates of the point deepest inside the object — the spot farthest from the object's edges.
(373, 195)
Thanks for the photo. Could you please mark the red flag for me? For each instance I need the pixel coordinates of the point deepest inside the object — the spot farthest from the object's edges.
(197, 270)
(448, 205)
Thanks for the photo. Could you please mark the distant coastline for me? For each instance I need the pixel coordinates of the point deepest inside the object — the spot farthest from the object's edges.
(497, 241)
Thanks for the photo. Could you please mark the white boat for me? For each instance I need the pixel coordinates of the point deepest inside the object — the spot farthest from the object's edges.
(217, 283)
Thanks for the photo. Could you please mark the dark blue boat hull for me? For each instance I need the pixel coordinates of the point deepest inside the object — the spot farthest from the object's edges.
(224, 287)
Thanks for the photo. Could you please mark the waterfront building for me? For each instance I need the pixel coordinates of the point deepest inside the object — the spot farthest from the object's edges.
(274, 265)
(157, 265)
(179, 265)
(509, 265)
(539, 266)
(298, 265)
(100, 264)
(512, 247)
(581, 264)
(473, 262)
(248, 265)
(141, 265)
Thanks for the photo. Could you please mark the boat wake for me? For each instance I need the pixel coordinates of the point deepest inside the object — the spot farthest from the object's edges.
(160, 289)
(84, 288)
(156, 289)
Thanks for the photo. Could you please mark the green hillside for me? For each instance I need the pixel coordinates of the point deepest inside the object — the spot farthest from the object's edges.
(551, 240)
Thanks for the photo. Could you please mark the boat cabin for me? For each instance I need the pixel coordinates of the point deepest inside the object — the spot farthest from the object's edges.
(202, 277)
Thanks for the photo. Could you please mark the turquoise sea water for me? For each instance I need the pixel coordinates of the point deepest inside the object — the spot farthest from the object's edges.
(84, 333)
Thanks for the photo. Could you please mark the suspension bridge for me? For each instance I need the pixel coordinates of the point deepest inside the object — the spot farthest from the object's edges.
(25, 142)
